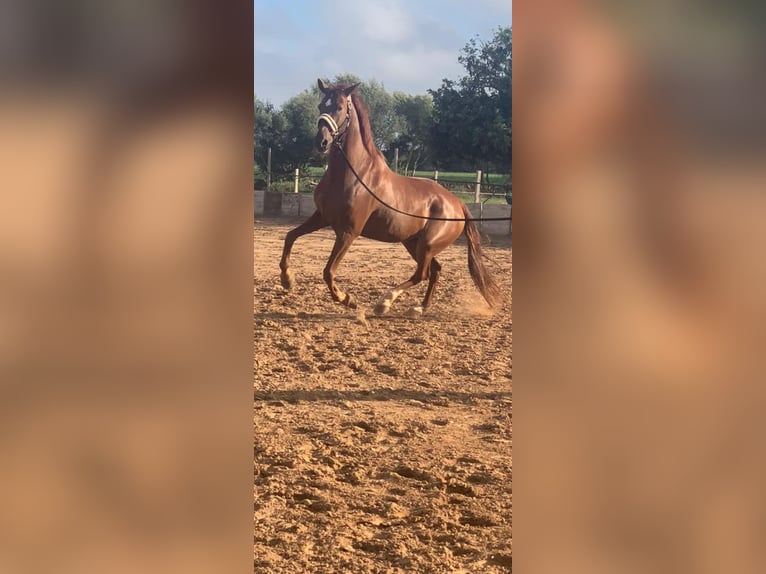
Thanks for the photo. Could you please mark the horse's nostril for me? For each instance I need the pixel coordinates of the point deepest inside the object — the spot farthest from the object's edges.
(324, 143)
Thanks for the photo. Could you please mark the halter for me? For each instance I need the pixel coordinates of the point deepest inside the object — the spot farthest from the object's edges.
(335, 130)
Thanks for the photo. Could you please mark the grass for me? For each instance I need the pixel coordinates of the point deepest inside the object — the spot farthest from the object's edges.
(315, 173)
(465, 177)
(304, 186)
(491, 200)
(457, 176)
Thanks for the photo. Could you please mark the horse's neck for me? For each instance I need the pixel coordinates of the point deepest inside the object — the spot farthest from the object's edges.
(356, 152)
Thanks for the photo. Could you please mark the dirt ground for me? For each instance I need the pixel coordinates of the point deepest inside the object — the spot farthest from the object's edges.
(382, 444)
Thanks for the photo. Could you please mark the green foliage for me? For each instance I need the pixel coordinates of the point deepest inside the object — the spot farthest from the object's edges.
(384, 120)
(472, 116)
(266, 131)
(465, 124)
(414, 139)
(300, 113)
(289, 132)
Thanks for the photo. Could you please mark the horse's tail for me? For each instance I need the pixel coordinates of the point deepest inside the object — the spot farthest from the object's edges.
(479, 272)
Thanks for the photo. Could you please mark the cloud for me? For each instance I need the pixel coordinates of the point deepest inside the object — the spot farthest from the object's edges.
(416, 67)
(409, 46)
(405, 45)
(502, 6)
(386, 23)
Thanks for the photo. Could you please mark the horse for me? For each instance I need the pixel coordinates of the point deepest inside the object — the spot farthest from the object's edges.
(343, 203)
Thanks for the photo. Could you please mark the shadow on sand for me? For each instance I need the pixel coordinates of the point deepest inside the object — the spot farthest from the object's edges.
(332, 395)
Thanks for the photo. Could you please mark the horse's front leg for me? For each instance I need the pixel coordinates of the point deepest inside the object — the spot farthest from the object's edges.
(312, 224)
(343, 241)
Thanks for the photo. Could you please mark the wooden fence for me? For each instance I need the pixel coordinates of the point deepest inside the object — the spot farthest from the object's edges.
(478, 189)
(297, 182)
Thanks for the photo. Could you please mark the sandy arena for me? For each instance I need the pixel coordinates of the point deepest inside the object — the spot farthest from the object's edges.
(382, 444)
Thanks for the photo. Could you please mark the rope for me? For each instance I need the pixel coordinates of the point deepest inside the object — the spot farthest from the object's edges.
(392, 208)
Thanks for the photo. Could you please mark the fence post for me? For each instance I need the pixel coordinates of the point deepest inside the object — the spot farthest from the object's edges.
(297, 178)
(436, 175)
(396, 160)
(477, 192)
(268, 170)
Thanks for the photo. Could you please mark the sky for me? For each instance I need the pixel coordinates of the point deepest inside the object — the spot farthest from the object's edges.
(409, 45)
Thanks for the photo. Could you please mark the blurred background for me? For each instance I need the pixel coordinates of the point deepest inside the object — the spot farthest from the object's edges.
(125, 329)
(125, 326)
(639, 172)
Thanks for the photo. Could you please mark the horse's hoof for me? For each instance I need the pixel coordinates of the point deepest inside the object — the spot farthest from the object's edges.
(415, 312)
(349, 302)
(382, 308)
(288, 280)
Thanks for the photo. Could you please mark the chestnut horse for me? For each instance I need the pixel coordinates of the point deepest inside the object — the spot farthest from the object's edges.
(343, 204)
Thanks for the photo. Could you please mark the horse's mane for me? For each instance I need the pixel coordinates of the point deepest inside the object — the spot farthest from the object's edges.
(364, 124)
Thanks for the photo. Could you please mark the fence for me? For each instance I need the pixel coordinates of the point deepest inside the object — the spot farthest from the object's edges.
(296, 181)
(477, 190)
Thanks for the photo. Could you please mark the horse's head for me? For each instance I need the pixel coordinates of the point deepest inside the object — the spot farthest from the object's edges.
(335, 110)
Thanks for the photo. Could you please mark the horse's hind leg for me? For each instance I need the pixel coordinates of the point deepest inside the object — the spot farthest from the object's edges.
(433, 277)
(312, 224)
(422, 255)
(343, 242)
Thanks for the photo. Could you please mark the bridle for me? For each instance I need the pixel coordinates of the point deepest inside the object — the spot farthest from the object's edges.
(335, 130)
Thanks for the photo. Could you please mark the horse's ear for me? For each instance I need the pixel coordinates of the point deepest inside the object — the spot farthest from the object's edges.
(323, 86)
(348, 91)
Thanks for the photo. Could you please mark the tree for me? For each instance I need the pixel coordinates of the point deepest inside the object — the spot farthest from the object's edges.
(386, 124)
(472, 117)
(415, 116)
(265, 131)
(289, 132)
(300, 116)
